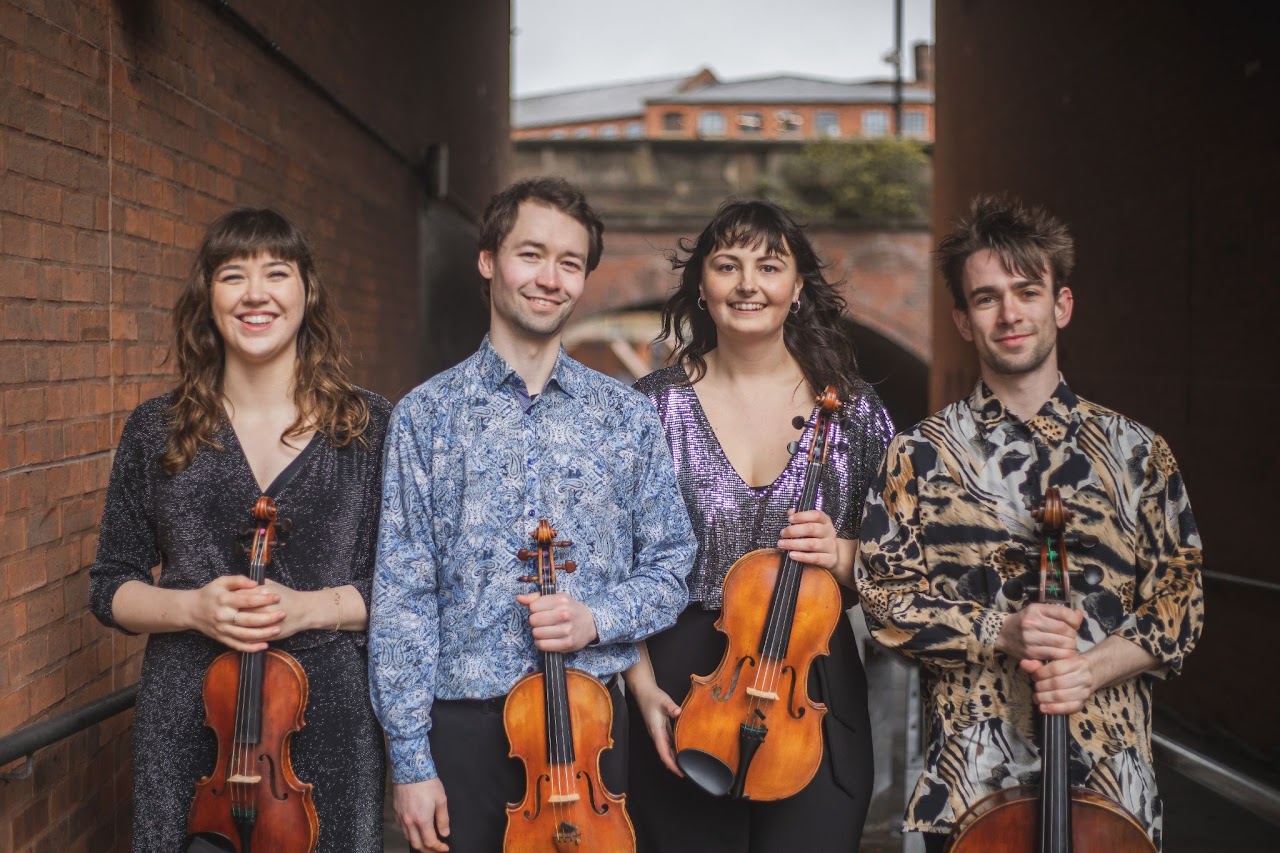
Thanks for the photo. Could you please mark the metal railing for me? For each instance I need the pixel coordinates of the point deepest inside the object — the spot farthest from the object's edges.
(27, 740)
(1250, 794)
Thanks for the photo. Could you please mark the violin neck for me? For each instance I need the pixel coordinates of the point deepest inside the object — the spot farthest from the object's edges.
(776, 636)
(556, 699)
(1055, 785)
(249, 695)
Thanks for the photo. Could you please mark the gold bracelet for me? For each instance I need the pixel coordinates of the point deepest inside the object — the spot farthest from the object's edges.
(337, 600)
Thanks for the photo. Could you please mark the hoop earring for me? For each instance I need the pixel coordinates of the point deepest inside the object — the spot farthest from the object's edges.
(702, 303)
(795, 306)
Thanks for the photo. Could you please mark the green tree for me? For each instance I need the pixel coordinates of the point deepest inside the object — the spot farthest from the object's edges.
(881, 181)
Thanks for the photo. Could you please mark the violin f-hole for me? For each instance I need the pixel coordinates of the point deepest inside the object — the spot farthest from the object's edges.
(724, 696)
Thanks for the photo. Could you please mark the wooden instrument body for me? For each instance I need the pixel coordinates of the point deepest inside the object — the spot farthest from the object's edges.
(286, 815)
(254, 702)
(570, 794)
(1006, 821)
(716, 705)
(558, 721)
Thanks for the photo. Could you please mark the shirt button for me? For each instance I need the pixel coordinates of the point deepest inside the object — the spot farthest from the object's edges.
(531, 513)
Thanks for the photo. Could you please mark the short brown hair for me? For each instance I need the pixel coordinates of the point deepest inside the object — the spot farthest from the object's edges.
(1026, 239)
(500, 214)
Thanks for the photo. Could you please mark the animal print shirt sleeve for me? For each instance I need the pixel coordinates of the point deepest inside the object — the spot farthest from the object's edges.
(903, 611)
(1168, 596)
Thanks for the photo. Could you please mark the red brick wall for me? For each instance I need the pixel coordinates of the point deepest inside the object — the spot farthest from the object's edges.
(125, 128)
(849, 117)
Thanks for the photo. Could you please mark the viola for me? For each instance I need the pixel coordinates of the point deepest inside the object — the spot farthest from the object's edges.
(254, 702)
(750, 729)
(1054, 817)
(558, 721)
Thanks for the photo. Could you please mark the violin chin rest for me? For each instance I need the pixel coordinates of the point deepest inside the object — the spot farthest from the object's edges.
(706, 771)
(209, 842)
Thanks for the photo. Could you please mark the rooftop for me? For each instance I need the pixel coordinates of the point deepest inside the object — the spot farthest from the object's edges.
(628, 100)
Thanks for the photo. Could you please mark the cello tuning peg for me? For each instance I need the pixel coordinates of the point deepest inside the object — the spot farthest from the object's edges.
(568, 566)
(1017, 555)
(1081, 540)
(564, 544)
(248, 530)
(1014, 589)
(284, 526)
(1092, 575)
(528, 579)
(242, 550)
(793, 447)
(525, 554)
(798, 422)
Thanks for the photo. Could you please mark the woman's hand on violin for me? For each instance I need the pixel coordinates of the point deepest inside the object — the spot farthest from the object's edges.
(659, 711)
(231, 610)
(1040, 632)
(811, 539)
(560, 622)
(302, 610)
(423, 814)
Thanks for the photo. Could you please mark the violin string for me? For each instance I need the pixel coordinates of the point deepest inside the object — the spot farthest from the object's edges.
(788, 579)
(242, 688)
(546, 568)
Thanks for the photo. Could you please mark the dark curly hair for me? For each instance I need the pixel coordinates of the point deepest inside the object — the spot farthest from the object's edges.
(325, 398)
(813, 335)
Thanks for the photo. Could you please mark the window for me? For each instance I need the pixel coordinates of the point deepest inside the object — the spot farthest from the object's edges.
(635, 129)
(875, 123)
(789, 122)
(673, 121)
(750, 123)
(711, 123)
(826, 123)
(558, 134)
(608, 131)
(914, 123)
(582, 133)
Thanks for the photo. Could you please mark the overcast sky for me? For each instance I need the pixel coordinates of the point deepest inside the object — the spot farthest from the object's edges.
(568, 44)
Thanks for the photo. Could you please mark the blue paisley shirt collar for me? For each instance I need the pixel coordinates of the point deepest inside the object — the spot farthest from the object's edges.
(494, 372)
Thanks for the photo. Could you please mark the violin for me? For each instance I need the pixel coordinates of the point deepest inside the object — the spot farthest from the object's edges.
(558, 721)
(254, 702)
(1054, 817)
(750, 729)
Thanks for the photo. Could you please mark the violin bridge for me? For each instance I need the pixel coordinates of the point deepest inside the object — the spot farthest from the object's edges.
(762, 694)
(563, 798)
(241, 779)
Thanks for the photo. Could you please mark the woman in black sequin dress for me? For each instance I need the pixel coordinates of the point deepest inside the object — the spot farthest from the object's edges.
(758, 334)
(262, 406)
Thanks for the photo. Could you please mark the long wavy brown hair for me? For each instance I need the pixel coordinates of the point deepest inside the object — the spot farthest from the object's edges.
(813, 334)
(323, 396)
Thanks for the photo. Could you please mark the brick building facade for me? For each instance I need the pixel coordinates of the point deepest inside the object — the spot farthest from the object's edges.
(125, 128)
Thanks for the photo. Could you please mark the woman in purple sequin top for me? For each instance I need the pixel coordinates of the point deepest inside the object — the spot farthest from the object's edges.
(758, 334)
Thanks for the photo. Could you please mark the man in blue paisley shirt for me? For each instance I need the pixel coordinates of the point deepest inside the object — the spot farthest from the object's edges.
(474, 458)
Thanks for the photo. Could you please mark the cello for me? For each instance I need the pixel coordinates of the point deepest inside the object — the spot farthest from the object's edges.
(254, 702)
(749, 729)
(1055, 817)
(558, 721)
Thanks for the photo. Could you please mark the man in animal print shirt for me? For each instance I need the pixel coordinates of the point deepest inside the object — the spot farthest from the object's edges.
(948, 523)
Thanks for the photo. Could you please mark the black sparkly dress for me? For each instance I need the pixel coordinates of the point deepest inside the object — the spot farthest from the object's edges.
(730, 518)
(190, 525)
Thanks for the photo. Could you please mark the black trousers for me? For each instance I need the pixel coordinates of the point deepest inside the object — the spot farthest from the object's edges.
(673, 815)
(935, 842)
(480, 777)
